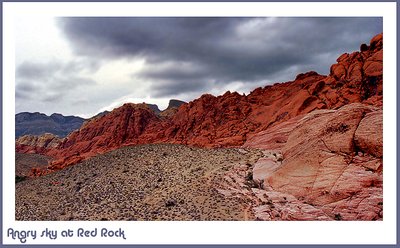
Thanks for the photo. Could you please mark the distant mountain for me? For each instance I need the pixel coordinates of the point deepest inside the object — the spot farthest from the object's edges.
(172, 108)
(100, 114)
(173, 103)
(154, 107)
(39, 123)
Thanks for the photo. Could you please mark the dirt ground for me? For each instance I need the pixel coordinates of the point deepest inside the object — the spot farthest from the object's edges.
(147, 182)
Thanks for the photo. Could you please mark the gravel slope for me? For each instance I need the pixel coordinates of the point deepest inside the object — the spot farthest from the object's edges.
(25, 162)
(147, 182)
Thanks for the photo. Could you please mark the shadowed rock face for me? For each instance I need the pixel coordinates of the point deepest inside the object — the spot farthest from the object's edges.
(38, 124)
(231, 119)
(173, 103)
(172, 108)
(155, 108)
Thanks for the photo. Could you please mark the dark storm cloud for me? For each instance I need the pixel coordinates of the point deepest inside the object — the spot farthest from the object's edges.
(170, 88)
(49, 81)
(166, 79)
(207, 52)
(116, 36)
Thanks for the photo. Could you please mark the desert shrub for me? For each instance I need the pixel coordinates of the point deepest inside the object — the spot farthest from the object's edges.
(249, 176)
(170, 203)
(250, 182)
(341, 128)
(338, 217)
(19, 178)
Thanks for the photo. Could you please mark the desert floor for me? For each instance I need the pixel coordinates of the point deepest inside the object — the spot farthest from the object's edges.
(146, 182)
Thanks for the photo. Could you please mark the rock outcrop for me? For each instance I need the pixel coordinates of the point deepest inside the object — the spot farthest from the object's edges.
(123, 126)
(42, 144)
(232, 119)
(332, 161)
(154, 107)
(172, 108)
(368, 136)
(174, 103)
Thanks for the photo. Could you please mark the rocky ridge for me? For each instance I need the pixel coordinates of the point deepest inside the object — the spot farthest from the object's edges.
(38, 124)
(172, 108)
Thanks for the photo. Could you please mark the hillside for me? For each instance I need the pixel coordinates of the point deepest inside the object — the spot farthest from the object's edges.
(24, 163)
(148, 182)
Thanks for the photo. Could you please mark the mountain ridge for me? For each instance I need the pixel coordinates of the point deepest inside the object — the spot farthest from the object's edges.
(37, 123)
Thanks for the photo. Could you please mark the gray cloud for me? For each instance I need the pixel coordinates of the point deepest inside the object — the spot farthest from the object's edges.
(35, 71)
(206, 52)
(52, 97)
(170, 88)
(24, 89)
(48, 82)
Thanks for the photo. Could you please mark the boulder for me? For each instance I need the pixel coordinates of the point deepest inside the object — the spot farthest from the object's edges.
(263, 168)
(369, 134)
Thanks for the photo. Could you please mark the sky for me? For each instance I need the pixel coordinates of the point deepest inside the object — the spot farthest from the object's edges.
(85, 65)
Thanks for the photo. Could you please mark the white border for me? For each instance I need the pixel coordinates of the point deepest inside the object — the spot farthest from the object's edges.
(383, 232)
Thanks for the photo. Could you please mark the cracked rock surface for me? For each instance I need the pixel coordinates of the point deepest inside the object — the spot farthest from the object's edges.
(331, 168)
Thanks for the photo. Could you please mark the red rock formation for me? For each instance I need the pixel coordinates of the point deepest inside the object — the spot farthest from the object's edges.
(230, 119)
(123, 126)
(332, 160)
(42, 144)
